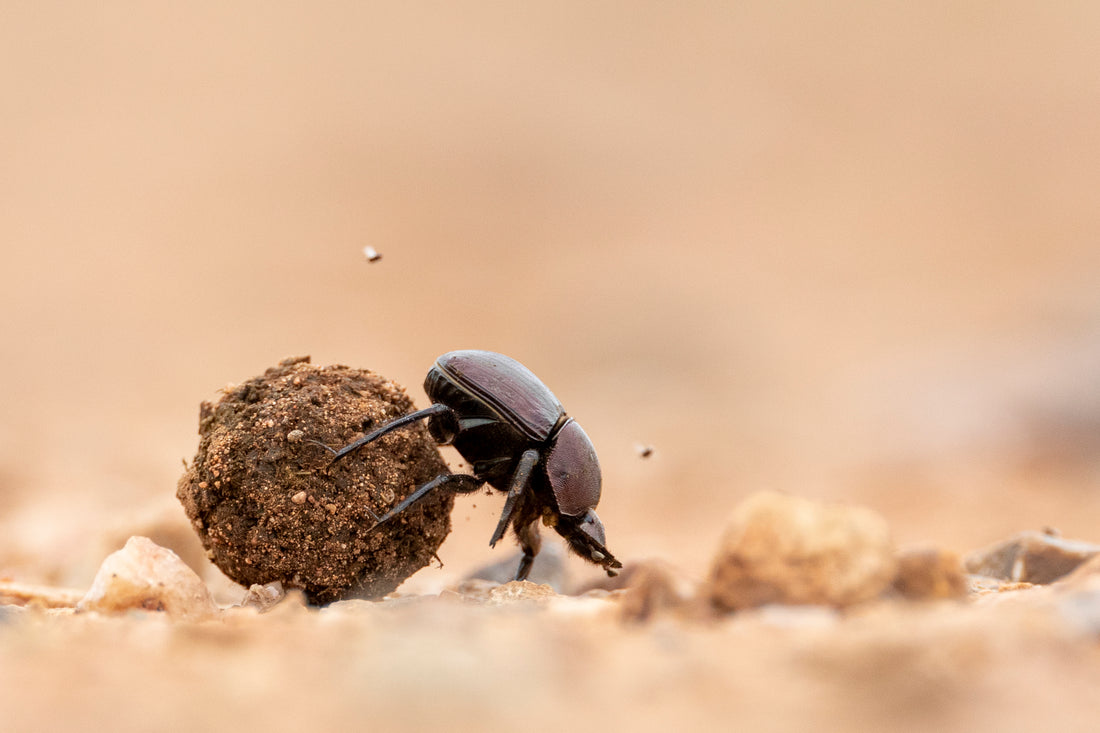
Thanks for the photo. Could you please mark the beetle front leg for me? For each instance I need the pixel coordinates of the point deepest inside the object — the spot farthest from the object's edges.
(526, 464)
(531, 542)
(435, 411)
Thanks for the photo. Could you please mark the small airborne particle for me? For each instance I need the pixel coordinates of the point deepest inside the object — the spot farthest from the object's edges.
(643, 450)
(371, 254)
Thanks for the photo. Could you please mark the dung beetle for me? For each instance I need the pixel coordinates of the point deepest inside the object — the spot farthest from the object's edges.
(517, 438)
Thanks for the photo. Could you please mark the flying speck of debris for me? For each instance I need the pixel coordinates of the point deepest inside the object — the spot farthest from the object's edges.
(643, 450)
(371, 254)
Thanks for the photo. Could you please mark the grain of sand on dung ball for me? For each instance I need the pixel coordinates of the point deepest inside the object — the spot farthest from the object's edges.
(268, 506)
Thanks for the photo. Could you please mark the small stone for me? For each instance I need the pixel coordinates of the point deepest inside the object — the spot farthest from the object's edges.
(930, 574)
(783, 549)
(292, 603)
(161, 521)
(299, 498)
(1030, 557)
(263, 597)
(653, 588)
(295, 436)
(145, 576)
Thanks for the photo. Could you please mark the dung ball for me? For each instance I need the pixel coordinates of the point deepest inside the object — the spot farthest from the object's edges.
(269, 505)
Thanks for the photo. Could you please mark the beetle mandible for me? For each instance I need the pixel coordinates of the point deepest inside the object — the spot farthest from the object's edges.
(517, 438)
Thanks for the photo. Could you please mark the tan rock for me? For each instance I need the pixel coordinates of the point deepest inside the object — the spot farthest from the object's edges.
(653, 588)
(930, 574)
(1030, 557)
(263, 597)
(143, 575)
(162, 521)
(784, 549)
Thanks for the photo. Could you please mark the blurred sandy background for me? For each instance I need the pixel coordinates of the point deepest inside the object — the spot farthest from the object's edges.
(845, 252)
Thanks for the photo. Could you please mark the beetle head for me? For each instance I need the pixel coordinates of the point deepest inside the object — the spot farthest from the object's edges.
(585, 536)
(591, 525)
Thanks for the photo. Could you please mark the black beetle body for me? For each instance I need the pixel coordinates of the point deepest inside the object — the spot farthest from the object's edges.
(517, 438)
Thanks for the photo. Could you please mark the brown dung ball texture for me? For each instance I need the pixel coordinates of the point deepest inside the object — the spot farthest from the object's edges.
(268, 506)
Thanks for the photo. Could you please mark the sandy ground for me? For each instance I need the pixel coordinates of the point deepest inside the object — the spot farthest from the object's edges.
(847, 254)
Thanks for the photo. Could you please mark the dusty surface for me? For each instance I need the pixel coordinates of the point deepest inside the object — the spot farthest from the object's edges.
(842, 253)
(646, 657)
(270, 506)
